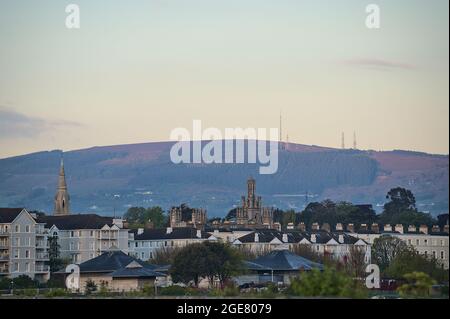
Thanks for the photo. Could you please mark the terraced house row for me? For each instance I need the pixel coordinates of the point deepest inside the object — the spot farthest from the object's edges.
(25, 240)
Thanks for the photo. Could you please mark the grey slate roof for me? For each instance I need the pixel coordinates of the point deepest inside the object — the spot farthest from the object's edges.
(135, 273)
(295, 236)
(110, 261)
(282, 260)
(7, 215)
(79, 221)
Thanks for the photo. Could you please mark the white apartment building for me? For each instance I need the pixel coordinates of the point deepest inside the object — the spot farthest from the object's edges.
(429, 243)
(23, 245)
(85, 236)
(144, 243)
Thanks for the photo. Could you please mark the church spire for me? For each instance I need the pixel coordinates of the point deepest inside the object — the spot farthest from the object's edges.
(62, 198)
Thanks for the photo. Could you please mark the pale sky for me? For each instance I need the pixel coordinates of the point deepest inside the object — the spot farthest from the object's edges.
(137, 69)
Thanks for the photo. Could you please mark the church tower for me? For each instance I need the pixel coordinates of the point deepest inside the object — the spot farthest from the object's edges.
(62, 198)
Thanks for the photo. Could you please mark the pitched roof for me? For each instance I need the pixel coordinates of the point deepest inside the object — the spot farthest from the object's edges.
(136, 272)
(7, 215)
(282, 260)
(110, 261)
(176, 233)
(79, 221)
(295, 236)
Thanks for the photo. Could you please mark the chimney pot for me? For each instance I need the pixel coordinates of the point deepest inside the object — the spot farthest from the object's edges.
(313, 238)
(399, 228)
(423, 229)
(285, 238)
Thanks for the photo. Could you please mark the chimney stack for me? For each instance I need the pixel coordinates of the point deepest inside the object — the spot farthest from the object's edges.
(313, 238)
(285, 238)
(387, 228)
(423, 229)
(435, 229)
(339, 227)
(290, 226)
(140, 231)
(169, 230)
(399, 228)
(446, 229)
(412, 229)
(341, 238)
(315, 226)
(363, 227)
(351, 228)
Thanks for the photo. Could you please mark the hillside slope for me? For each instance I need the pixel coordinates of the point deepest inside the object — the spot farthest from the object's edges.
(142, 174)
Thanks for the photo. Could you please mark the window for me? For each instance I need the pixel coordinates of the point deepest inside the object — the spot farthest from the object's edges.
(442, 255)
(16, 253)
(425, 242)
(71, 246)
(136, 244)
(91, 246)
(426, 253)
(17, 228)
(27, 241)
(79, 233)
(17, 242)
(409, 242)
(417, 242)
(91, 233)
(27, 254)
(434, 254)
(142, 255)
(16, 267)
(91, 255)
(27, 228)
(442, 242)
(72, 233)
(27, 267)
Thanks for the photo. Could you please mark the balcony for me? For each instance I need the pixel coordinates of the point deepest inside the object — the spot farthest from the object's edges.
(41, 256)
(4, 245)
(42, 244)
(4, 270)
(4, 232)
(4, 257)
(40, 268)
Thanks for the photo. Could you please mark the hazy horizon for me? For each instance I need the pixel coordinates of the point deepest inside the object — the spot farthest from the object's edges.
(136, 70)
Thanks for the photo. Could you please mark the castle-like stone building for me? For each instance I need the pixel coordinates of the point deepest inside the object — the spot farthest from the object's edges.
(184, 216)
(252, 213)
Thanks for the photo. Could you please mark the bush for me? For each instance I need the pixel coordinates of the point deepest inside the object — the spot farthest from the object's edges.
(326, 283)
(58, 292)
(173, 291)
(418, 285)
(148, 290)
(28, 292)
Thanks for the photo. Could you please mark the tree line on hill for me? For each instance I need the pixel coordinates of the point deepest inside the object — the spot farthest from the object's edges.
(400, 208)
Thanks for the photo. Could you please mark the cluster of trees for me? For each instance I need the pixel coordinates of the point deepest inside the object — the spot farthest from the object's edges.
(400, 209)
(206, 260)
(142, 217)
(397, 259)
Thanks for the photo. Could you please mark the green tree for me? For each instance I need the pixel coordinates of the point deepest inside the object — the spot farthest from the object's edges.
(400, 199)
(189, 264)
(156, 216)
(418, 285)
(385, 249)
(206, 260)
(326, 283)
(90, 287)
(409, 260)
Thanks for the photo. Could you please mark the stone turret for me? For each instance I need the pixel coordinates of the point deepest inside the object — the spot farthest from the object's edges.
(62, 198)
